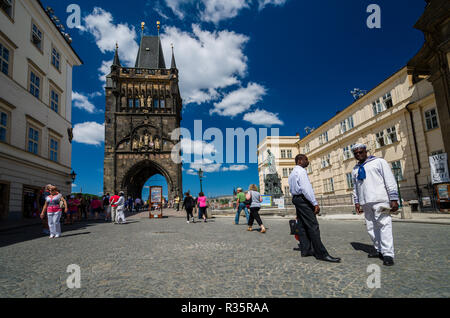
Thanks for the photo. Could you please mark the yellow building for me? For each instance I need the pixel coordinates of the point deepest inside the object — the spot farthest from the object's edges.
(284, 149)
(397, 120)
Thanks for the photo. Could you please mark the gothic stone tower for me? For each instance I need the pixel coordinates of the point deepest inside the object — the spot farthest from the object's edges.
(143, 107)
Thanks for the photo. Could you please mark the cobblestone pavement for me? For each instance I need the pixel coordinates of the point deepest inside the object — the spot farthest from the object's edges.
(170, 258)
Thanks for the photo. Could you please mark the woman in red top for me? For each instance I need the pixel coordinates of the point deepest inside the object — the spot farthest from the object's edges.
(96, 207)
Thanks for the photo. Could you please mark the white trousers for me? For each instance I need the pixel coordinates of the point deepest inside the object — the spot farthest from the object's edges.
(113, 214)
(379, 227)
(120, 215)
(53, 223)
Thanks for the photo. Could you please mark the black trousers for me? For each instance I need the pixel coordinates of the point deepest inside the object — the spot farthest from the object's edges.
(254, 215)
(309, 232)
(189, 213)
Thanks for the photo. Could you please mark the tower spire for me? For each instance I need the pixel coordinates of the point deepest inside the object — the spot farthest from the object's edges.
(173, 64)
(116, 56)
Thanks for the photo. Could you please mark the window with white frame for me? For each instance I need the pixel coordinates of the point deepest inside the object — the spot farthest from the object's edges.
(35, 84)
(323, 138)
(326, 161)
(56, 57)
(4, 120)
(289, 153)
(431, 119)
(5, 59)
(290, 170)
(349, 180)
(54, 100)
(391, 135)
(306, 148)
(328, 185)
(347, 124)
(286, 191)
(309, 169)
(53, 149)
(380, 139)
(285, 172)
(33, 140)
(397, 170)
(283, 154)
(7, 6)
(36, 36)
(377, 107)
(348, 152)
(387, 101)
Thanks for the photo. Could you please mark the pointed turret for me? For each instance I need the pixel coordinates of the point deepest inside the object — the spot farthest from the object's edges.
(173, 65)
(116, 61)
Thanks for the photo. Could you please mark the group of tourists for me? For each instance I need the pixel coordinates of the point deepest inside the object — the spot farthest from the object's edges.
(375, 194)
(249, 201)
(190, 203)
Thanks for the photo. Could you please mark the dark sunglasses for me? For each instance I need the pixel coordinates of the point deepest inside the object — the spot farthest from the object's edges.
(358, 152)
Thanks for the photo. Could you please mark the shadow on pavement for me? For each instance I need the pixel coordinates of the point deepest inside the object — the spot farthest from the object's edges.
(363, 247)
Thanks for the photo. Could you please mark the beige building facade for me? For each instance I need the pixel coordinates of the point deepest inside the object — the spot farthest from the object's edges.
(397, 120)
(35, 106)
(284, 149)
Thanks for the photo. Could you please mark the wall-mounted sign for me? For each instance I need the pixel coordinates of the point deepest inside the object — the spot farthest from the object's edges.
(266, 200)
(439, 168)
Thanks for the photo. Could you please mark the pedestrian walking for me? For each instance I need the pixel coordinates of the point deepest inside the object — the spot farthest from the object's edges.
(177, 202)
(202, 205)
(71, 215)
(95, 207)
(375, 193)
(113, 202)
(83, 207)
(45, 193)
(189, 204)
(120, 216)
(255, 197)
(54, 204)
(107, 206)
(307, 208)
(241, 206)
(137, 204)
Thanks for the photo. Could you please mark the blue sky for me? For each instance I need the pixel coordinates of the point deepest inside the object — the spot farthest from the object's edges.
(283, 64)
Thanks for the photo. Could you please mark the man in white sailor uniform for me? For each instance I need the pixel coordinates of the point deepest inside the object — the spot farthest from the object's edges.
(120, 209)
(375, 193)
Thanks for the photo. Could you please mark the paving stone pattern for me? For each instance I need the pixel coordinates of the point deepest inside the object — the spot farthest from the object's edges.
(170, 258)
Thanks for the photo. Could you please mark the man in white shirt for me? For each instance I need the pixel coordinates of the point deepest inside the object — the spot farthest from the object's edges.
(375, 193)
(120, 218)
(307, 208)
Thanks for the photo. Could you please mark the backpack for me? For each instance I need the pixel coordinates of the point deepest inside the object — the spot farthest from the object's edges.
(189, 203)
(248, 202)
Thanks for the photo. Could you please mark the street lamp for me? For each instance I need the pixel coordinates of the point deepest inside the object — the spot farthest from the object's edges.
(397, 171)
(200, 175)
(73, 176)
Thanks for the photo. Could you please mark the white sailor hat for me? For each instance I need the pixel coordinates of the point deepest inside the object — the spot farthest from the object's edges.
(358, 146)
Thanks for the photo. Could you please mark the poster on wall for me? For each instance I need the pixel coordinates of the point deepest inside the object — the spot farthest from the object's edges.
(439, 168)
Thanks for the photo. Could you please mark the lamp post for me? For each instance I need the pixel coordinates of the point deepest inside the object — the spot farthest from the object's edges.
(397, 171)
(200, 175)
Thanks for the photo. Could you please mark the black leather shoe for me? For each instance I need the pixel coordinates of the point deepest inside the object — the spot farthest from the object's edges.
(307, 254)
(388, 261)
(331, 259)
(375, 255)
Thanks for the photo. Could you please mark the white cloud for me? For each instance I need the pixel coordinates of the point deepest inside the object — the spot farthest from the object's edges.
(82, 102)
(263, 117)
(100, 24)
(239, 101)
(218, 10)
(90, 133)
(235, 168)
(104, 70)
(206, 164)
(197, 147)
(207, 61)
(263, 3)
